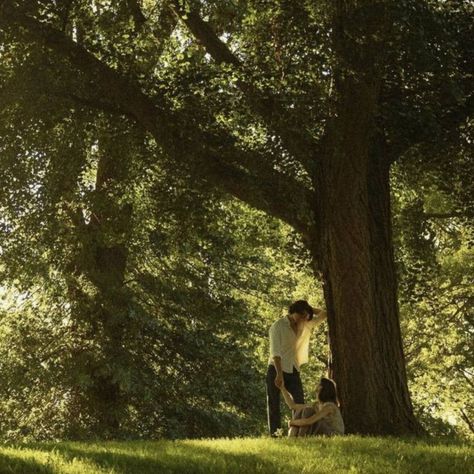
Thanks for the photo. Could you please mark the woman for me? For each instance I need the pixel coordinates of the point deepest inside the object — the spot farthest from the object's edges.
(322, 418)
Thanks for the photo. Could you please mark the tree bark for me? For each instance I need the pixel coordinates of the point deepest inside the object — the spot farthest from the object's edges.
(356, 259)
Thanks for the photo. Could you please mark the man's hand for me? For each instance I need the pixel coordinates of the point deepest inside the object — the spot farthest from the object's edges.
(279, 380)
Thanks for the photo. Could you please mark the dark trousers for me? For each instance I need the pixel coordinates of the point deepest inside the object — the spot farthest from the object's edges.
(293, 385)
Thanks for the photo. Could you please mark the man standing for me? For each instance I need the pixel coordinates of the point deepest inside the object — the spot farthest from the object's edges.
(289, 346)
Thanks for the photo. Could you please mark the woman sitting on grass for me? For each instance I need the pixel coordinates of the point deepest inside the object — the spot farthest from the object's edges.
(322, 418)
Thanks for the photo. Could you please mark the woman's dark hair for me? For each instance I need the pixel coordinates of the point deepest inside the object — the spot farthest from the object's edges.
(301, 307)
(328, 392)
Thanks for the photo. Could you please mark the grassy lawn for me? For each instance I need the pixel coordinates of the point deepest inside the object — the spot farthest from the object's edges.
(261, 455)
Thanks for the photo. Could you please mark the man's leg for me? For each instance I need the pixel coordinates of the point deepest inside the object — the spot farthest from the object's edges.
(299, 392)
(273, 401)
(294, 386)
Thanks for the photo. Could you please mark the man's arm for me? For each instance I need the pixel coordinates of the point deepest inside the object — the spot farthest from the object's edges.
(320, 316)
(279, 371)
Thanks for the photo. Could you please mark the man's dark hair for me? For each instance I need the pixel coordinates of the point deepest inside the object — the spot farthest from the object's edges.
(328, 391)
(301, 307)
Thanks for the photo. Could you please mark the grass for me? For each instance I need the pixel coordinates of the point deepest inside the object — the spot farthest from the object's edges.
(348, 454)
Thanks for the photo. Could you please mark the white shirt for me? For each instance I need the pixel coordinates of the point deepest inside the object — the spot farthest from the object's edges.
(292, 348)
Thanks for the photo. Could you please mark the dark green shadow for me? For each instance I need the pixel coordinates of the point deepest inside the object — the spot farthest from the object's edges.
(15, 465)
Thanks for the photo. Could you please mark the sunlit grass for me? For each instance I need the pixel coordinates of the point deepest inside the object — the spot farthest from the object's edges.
(262, 455)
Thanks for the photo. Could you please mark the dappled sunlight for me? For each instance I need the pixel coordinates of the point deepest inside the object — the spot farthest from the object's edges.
(316, 455)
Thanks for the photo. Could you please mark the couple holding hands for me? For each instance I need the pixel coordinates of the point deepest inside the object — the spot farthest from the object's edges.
(289, 346)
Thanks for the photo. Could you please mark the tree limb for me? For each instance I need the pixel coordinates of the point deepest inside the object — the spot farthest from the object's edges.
(449, 123)
(138, 17)
(161, 31)
(303, 147)
(466, 419)
(219, 160)
(93, 103)
(272, 195)
(448, 215)
(206, 36)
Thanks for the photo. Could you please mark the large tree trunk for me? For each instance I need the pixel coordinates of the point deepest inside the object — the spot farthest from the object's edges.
(354, 249)
(356, 259)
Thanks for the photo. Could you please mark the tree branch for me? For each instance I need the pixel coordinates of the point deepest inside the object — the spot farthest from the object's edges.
(219, 160)
(466, 419)
(272, 195)
(138, 17)
(165, 26)
(449, 123)
(93, 103)
(467, 376)
(448, 215)
(206, 36)
(299, 144)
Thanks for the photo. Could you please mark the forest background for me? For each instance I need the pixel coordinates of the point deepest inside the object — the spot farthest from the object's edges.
(129, 276)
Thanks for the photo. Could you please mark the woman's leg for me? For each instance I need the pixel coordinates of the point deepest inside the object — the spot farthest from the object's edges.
(294, 430)
(306, 430)
(322, 429)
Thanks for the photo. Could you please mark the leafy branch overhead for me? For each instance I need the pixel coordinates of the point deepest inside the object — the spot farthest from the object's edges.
(216, 154)
(216, 151)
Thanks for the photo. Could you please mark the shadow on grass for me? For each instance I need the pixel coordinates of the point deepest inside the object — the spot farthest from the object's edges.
(182, 459)
(362, 455)
(12, 464)
(410, 455)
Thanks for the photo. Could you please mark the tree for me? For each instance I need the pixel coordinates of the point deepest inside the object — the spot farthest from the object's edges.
(433, 235)
(323, 105)
(180, 309)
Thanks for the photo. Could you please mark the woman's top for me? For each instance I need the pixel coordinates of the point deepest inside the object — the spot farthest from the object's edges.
(333, 420)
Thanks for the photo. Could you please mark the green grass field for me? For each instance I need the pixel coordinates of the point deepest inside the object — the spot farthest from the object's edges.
(261, 455)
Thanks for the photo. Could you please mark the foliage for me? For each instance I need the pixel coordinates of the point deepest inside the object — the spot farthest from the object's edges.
(197, 274)
(137, 296)
(435, 256)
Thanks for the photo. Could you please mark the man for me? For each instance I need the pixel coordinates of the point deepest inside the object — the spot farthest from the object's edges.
(289, 346)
